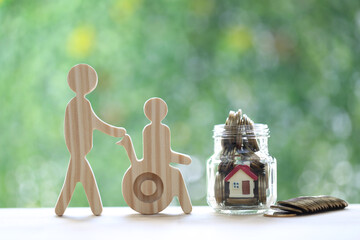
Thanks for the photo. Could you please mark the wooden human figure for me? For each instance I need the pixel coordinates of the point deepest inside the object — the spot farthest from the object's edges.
(80, 121)
(150, 184)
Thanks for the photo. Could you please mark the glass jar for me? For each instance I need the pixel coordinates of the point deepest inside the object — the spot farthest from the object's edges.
(241, 174)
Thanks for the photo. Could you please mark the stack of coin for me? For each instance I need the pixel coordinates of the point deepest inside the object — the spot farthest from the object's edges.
(262, 188)
(219, 188)
(256, 166)
(306, 205)
(232, 140)
(225, 167)
(251, 144)
(241, 201)
(239, 135)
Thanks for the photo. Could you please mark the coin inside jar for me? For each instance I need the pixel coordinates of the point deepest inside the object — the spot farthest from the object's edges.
(239, 171)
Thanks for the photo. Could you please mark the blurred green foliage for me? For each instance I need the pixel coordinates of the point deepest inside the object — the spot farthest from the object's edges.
(290, 64)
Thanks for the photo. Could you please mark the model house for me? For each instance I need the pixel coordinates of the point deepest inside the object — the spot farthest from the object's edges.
(241, 182)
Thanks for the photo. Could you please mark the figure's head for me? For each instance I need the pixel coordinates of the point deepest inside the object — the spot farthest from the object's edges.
(155, 109)
(82, 79)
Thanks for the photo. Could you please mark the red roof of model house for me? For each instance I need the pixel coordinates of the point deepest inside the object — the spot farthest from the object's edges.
(245, 169)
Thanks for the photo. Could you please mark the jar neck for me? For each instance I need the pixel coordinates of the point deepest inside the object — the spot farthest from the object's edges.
(262, 143)
(237, 140)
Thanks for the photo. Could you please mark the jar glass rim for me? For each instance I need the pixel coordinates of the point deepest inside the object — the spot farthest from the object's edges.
(256, 130)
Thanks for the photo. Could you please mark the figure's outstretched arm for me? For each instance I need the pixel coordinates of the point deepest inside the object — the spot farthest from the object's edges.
(180, 158)
(126, 142)
(107, 128)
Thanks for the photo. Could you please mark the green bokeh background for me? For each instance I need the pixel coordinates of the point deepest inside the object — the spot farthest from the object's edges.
(293, 65)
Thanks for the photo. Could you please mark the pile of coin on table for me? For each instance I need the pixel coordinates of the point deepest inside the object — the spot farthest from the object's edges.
(306, 205)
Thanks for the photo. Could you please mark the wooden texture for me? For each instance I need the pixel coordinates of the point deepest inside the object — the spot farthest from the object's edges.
(80, 121)
(202, 223)
(150, 184)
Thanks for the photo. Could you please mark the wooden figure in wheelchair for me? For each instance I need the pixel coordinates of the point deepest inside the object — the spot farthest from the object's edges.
(150, 184)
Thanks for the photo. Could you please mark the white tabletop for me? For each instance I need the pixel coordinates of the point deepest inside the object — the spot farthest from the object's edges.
(203, 223)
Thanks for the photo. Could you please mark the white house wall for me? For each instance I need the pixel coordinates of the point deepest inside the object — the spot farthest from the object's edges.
(240, 176)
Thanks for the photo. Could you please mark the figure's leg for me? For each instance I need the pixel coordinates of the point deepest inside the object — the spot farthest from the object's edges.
(91, 189)
(182, 193)
(66, 191)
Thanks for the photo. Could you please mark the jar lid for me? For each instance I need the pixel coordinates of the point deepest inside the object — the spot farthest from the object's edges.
(256, 130)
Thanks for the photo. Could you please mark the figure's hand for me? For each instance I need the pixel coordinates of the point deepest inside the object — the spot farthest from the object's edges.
(119, 132)
(186, 160)
(180, 158)
(107, 128)
(126, 139)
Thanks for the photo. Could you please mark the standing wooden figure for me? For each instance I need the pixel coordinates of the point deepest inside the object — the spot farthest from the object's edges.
(80, 121)
(150, 184)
